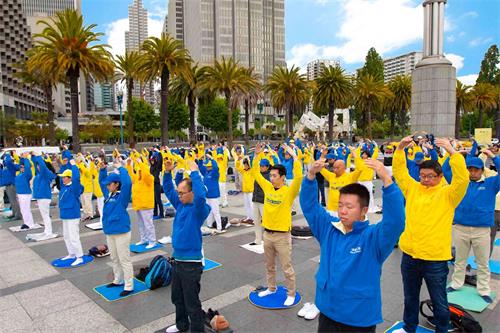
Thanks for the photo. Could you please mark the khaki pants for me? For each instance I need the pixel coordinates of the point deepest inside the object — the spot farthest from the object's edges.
(478, 238)
(120, 258)
(88, 210)
(258, 212)
(279, 244)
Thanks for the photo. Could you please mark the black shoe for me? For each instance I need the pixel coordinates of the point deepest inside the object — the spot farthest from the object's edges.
(112, 285)
(294, 213)
(252, 243)
(126, 293)
(24, 227)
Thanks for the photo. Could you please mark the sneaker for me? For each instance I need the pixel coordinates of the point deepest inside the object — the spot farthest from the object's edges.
(294, 213)
(36, 226)
(165, 240)
(77, 262)
(224, 205)
(172, 329)
(140, 243)
(218, 231)
(289, 301)
(24, 227)
(302, 312)
(150, 245)
(126, 293)
(68, 257)
(113, 285)
(487, 299)
(450, 290)
(312, 313)
(266, 292)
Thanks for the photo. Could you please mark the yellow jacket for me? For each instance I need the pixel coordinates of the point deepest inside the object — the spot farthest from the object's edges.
(142, 186)
(278, 203)
(95, 180)
(336, 183)
(367, 174)
(429, 210)
(222, 161)
(247, 182)
(85, 177)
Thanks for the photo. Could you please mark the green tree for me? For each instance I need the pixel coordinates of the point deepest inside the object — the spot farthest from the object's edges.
(400, 102)
(374, 65)
(164, 57)
(463, 104)
(144, 117)
(484, 99)
(490, 71)
(99, 128)
(66, 44)
(178, 115)
(333, 90)
(214, 115)
(128, 72)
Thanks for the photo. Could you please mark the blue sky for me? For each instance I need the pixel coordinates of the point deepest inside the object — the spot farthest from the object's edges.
(344, 29)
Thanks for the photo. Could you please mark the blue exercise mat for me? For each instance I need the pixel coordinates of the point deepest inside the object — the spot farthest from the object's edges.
(142, 248)
(113, 293)
(59, 263)
(273, 301)
(400, 324)
(210, 264)
(497, 242)
(494, 265)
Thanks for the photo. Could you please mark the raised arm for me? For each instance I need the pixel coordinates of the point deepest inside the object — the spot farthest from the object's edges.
(168, 185)
(297, 174)
(125, 187)
(263, 182)
(399, 168)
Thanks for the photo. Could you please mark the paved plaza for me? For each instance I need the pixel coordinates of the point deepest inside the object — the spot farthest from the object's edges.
(36, 297)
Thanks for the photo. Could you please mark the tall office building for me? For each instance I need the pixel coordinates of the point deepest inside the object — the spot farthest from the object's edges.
(16, 99)
(401, 65)
(104, 96)
(48, 7)
(250, 31)
(314, 69)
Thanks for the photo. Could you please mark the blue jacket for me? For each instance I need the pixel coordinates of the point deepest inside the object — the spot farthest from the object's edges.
(43, 179)
(9, 171)
(477, 208)
(210, 179)
(287, 163)
(348, 278)
(115, 218)
(69, 196)
(22, 180)
(186, 229)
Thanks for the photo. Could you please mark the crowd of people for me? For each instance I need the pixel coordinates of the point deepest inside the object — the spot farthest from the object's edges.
(437, 194)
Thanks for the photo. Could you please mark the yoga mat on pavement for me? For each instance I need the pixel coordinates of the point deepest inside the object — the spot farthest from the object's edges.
(469, 299)
(210, 264)
(400, 324)
(40, 237)
(273, 301)
(142, 248)
(494, 265)
(113, 294)
(18, 228)
(497, 242)
(254, 248)
(59, 263)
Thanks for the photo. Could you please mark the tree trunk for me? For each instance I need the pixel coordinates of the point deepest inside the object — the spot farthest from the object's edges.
(192, 124)
(165, 76)
(50, 115)
(331, 114)
(457, 122)
(393, 118)
(369, 114)
(403, 121)
(247, 116)
(480, 121)
(229, 119)
(130, 118)
(73, 74)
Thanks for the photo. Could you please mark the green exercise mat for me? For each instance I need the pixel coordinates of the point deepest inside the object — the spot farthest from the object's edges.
(469, 299)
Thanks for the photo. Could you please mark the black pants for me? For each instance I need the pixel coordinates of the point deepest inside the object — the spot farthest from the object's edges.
(185, 296)
(321, 192)
(327, 325)
(158, 210)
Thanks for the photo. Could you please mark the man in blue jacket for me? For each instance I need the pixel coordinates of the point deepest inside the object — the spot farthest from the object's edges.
(350, 301)
(210, 171)
(191, 209)
(474, 217)
(42, 192)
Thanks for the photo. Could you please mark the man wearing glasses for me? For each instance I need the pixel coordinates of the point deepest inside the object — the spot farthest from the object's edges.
(426, 240)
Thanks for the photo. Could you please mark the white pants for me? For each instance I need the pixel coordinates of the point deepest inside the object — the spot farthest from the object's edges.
(71, 234)
(258, 212)
(44, 208)
(100, 207)
(369, 186)
(2, 192)
(223, 193)
(119, 250)
(25, 206)
(247, 198)
(146, 226)
(214, 213)
(86, 198)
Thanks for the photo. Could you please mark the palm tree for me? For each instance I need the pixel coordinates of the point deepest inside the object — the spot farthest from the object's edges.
(226, 77)
(483, 97)
(333, 88)
(463, 103)
(289, 90)
(400, 102)
(369, 95)
(164, 57)
(190, 88)
(75, 49)
(128, 71)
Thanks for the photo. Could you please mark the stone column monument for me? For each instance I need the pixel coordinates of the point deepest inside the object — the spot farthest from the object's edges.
(433, 95)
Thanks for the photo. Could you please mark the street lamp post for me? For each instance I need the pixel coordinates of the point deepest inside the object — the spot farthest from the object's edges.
(119, 98)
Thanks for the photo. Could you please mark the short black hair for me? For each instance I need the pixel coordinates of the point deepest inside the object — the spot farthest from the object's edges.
(281, 169)
(360, 191)
(189, 183)
(433, 165)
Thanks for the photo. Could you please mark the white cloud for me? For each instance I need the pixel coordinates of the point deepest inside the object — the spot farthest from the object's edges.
(360, 29)
(456, 60)
(468, 79)
(451, 38)
(480, 41)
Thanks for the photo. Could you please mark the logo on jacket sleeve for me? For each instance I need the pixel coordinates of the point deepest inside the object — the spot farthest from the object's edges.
(355, 250)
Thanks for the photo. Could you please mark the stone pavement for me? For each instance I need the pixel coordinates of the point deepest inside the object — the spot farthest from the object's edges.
(35, 297)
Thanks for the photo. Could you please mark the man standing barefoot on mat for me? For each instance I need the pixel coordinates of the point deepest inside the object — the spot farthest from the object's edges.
(191, 209)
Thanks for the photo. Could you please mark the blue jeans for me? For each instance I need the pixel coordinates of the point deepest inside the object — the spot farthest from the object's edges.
(434, 273)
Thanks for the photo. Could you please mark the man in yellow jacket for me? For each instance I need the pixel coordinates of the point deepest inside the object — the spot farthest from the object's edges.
(277, 220)
(426, 240)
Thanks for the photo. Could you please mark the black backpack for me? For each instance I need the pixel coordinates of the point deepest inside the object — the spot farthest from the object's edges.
(460, 320)
(224, 221)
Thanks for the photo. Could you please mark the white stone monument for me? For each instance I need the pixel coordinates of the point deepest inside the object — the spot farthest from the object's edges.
(433, 95)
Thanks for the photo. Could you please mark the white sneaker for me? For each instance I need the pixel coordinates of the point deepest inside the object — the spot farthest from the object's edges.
(36, 226)
(150, 245)
(399, 330)
(217, 231)
(172, 329)
(140, 243)
(289, 301)
(266, 292)
(165, 240)
(302, 312)
(312, 313)
(77, 262)
(68, 257)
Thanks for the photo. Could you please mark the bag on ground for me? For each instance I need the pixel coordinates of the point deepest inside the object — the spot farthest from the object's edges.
(99, 251)
(460, 320)
(160, 273)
